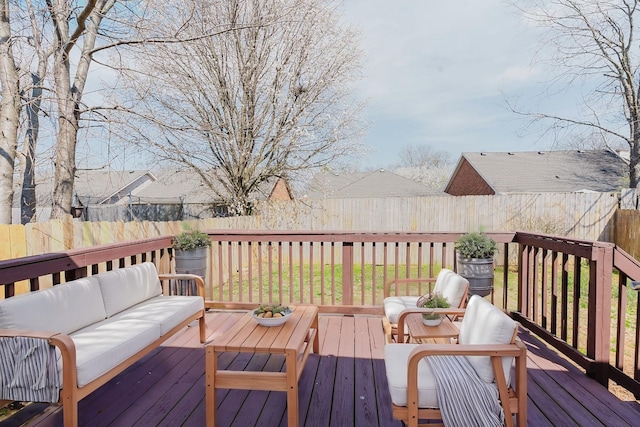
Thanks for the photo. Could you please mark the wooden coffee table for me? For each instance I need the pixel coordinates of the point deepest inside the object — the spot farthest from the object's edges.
(419, 331)
(294, 339)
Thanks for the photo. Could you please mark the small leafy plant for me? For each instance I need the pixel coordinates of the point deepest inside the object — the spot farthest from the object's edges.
(476, 245)
(191, 239)
(433, 300)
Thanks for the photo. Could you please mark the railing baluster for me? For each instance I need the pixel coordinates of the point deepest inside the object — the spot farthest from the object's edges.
(240, 281)
(374, 284)
(322, 248)
(564, 313)
(577, 276)
(291, 272)
(362, 273)
(544, 289)
(280, 283)
(333, 273)
(347, 273)
(301, 269)
(554, 292)
(260, 278)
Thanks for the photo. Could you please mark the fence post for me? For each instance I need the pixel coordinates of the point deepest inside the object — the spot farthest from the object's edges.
(347, 273)
(599, 314)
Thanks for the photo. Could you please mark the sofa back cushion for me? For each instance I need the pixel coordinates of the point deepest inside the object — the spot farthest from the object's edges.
(64, 308)
(484, 323)
(128, 286)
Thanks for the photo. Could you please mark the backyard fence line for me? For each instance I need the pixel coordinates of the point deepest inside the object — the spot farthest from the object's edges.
(589, 216)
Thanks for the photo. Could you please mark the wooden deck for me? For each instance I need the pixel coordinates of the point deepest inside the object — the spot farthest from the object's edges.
(344, 385)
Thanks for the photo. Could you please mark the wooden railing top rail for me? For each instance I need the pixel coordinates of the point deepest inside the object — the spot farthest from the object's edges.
(581, 248)
(346, 236)
(626, 263)
(14, 270)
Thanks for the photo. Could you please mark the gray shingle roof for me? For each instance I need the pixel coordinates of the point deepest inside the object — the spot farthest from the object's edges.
(168, 186)
(550, 171)
(379, 183)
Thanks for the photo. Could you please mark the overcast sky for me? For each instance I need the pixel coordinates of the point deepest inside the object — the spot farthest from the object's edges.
(438, 73)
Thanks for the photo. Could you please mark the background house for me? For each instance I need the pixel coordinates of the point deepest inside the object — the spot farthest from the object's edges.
(378, 183)
(166, 195)
(538, 172)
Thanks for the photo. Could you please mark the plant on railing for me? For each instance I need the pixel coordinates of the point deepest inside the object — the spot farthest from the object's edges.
(475, 261)
(476, 245)
(189, 240)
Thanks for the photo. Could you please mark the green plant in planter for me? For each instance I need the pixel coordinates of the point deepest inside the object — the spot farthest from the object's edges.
(433, 300)
(189, 240)
(476, 245)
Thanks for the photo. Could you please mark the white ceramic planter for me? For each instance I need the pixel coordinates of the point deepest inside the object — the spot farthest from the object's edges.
(432, 322)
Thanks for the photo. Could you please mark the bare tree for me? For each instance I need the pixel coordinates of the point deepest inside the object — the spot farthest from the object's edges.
(425, 165)
(32, 97)
(268, 96)
(10, 107)
(422, 155)
(592, 42)
(69, 91)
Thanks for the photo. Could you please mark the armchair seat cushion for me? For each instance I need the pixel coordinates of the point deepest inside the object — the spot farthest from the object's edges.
(396, 359)
(393, 306)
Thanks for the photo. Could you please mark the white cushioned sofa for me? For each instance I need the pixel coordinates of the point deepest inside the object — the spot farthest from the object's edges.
(101, 324)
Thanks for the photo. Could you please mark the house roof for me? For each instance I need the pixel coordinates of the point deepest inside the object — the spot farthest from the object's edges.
(167, 186)
(547, 171)
(105, 187)
(379, 183)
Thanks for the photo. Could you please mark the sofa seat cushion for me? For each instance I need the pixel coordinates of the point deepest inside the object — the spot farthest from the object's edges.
(106, 344)
(129, 286)
(167, 311)
(394, 305)
(396, 359)
(63, 308)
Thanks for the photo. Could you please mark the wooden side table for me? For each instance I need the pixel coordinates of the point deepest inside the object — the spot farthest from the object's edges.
(419, 331)
(294, 339)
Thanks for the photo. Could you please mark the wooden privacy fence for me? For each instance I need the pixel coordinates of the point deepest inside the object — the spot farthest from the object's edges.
(577, 215)
(627, 231)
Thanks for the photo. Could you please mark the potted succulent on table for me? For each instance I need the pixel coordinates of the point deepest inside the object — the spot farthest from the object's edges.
(433, 300)
(190, 252)
(474, 254)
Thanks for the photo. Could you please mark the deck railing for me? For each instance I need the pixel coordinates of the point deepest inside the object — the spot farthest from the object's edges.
(573, 293)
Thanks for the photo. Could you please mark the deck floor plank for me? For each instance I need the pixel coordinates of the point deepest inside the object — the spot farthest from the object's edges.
(343, 385)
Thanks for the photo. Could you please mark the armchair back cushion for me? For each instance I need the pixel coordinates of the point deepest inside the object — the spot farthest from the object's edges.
(126, 287)
(484, 323)
(452, 286)
(63, 308)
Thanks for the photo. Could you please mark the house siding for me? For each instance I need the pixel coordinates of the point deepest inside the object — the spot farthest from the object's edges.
(468, 182)
(280, 191)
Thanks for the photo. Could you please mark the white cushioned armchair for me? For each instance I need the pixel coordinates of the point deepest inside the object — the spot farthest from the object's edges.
(488, 341)
(448, 283)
